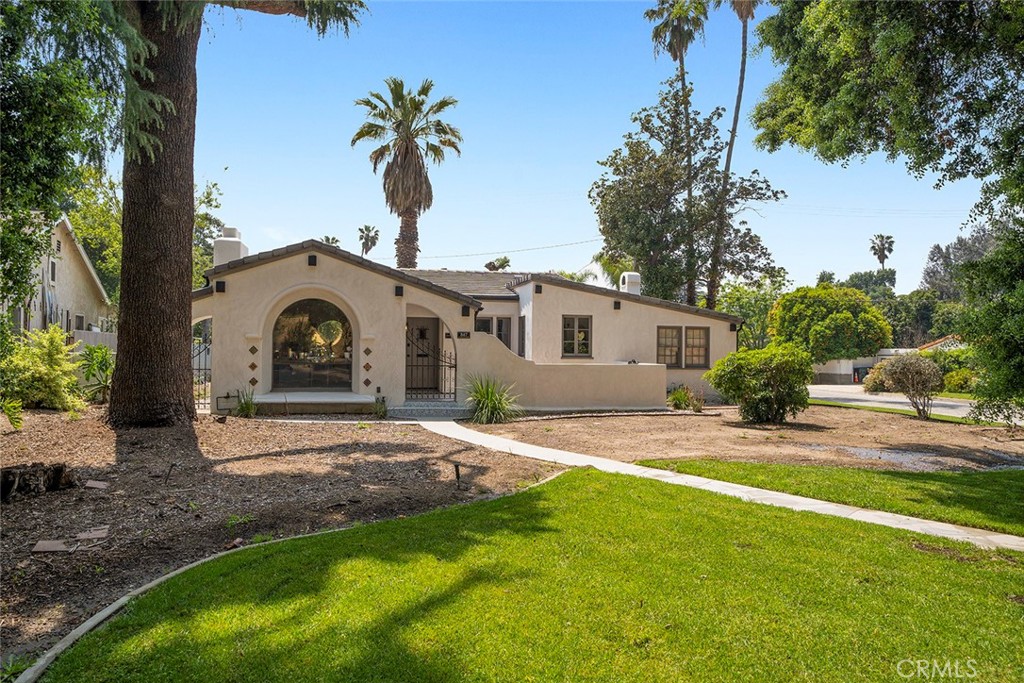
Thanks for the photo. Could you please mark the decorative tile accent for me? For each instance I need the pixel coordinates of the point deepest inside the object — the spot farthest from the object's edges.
(253, 366)
(253, 350)
(367, 382)
(367, 367)
(367, 351)
(253, 381)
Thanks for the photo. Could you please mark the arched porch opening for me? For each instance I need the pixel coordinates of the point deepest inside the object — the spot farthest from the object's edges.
(312, 347)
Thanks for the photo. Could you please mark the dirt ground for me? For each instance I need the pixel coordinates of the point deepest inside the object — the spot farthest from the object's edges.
(820, 435)
(236, 480)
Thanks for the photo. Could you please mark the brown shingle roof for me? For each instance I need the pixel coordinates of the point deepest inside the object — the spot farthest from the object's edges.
(479, 284)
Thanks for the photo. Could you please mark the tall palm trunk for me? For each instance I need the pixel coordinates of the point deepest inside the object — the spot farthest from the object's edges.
(718, 244)
(407, 245)
(691, 232)
(152, 383)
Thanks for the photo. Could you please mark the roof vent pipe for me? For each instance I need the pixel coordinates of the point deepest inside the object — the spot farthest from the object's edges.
(630, 283)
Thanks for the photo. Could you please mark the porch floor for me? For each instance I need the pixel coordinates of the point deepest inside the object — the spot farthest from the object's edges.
(313, 397)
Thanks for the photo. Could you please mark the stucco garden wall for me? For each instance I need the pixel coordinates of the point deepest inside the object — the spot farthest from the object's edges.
(543, 386)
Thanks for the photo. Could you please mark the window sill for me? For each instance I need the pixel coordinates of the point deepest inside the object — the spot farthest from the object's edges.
(577, 356)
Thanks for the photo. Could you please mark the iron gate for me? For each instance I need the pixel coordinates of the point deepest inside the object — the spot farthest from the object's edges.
(429, 371)
(201, 374)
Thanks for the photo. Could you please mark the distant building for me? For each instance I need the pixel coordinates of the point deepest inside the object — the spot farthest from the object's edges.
(68, 293)
(947, 343)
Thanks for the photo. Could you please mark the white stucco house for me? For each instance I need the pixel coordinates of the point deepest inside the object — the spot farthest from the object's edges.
(412, 336)
(68, 293)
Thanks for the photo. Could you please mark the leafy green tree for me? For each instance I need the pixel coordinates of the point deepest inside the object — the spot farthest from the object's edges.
(368, 237)
(911, 317)
(946, 318)
(917, 378)
(993, 324)
(830, 322)
(640, 200)
(940, 270)
(676, 25)
(59, 92)
(881, 248)
(826, 277)
(96, 215)
(935, 82)
(877, 284)
(753, 302)
(410, 131)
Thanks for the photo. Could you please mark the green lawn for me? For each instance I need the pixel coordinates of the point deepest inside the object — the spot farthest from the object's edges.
(986, 500)
(589, 577)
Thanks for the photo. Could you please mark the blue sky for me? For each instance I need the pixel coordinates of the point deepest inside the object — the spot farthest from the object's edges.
(545, 91)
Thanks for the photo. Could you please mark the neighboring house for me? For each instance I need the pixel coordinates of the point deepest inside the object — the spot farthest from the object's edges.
(69, 293)
(950, 342)
(852, 371)
(419, 335)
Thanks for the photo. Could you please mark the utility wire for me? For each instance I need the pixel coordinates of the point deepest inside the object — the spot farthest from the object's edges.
(509, 251)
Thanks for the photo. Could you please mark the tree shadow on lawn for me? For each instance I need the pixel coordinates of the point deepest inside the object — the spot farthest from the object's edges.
(169, 504)
(281, 613)
(996, 494)
(773, 427)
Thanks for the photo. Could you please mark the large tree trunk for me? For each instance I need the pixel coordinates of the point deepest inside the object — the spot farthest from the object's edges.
(718, 244)
(152, 384)
(407, 246)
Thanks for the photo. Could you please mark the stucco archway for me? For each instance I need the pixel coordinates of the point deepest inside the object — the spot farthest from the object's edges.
(273, 312)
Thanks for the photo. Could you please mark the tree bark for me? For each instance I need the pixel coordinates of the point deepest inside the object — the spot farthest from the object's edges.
(718, 243)
(407, 246)
(152, 383)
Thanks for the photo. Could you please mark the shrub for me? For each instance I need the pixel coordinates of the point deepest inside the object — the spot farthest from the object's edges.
(98, 368)
(492, 401)
(949, 360)
(679, 398)
(768, 384)
(875, 380)
(12, 409)
(918, 378)
(247, 406)
(697, 401)
(40, 371)
(960, 381)
(380, 408)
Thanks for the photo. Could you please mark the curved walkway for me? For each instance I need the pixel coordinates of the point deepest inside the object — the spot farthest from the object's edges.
(979, 537)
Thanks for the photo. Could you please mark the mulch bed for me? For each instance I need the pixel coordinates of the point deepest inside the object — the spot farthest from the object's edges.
(177, 495)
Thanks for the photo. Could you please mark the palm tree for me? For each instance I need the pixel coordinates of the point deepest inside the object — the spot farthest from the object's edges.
(410, 131)
(613, 266)
(744, 10)
(881, 247)
(331, 240)
(677, 25)
(582, 276)
(368, 236)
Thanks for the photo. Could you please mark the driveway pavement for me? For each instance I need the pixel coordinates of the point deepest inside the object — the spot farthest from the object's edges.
(854, 395)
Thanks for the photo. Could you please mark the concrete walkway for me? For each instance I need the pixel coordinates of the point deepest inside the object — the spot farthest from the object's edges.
(854, 395)
(980, 537)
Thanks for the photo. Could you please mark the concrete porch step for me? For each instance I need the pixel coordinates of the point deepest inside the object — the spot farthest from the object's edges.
(314, 403)
(418, 410)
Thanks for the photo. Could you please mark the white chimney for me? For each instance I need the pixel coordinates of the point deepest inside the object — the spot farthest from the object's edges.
(630, 283)
(229, 247)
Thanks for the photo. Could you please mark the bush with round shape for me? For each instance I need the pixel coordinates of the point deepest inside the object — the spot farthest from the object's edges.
(875, 380)
(917, 378)
(960, 381)
(769, 384)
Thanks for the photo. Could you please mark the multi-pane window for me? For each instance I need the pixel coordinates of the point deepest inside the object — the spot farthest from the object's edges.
(503, 331)
(576, 335)
(522, 336)
(670, 346)
(697, 347)
(484, 325)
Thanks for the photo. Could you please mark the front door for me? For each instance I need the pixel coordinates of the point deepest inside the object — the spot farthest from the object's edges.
(422, 353)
